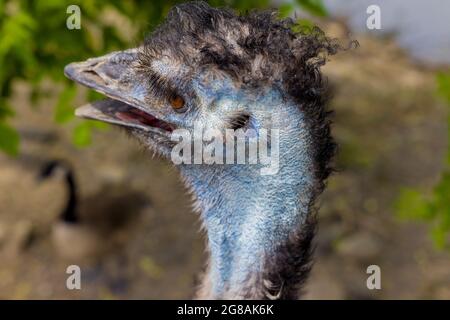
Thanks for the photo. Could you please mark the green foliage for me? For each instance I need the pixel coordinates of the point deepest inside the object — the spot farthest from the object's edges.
(240, 5)
(314, 7)
(286, 9)
(82, 133)
(35, 44)
(443, 90)
(443, 86)
(64, 111)
(9, 139)
(435, 207)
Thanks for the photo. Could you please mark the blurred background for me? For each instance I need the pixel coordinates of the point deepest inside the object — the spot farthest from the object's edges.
(389, 203)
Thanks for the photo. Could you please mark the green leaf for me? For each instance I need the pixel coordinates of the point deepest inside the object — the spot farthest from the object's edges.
(9, 139)
(5, 109)
(439, 236)
(64, 111)
(94, 95)
(314, 7)
(82, 134)
(99, 125)
(443, 85)
(285, 10)
(412, 205)
(303, 26)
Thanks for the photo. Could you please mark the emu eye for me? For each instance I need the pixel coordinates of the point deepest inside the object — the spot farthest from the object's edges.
(177, 102)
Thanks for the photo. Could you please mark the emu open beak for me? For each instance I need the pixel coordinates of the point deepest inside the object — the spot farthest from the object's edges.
(115, 75)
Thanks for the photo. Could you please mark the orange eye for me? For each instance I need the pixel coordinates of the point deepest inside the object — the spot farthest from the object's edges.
(177, 102)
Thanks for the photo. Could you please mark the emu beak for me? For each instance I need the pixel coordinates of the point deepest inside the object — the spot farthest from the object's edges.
(115, 75)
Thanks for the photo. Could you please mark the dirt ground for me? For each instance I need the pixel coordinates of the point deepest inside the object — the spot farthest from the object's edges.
(391, 131)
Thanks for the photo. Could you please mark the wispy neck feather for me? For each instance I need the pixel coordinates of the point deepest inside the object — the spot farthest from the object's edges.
(255, 223)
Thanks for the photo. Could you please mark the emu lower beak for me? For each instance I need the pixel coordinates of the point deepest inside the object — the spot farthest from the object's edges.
(115, 75)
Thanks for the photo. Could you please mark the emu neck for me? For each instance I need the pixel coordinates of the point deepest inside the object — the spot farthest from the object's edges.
(248, 217)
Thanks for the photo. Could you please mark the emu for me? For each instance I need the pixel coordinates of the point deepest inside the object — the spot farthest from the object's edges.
(222, 70)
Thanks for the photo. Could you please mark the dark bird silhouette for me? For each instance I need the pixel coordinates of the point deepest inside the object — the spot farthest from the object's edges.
(88, 228)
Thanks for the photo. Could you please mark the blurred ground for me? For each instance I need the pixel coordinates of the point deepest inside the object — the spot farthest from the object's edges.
(391, 131)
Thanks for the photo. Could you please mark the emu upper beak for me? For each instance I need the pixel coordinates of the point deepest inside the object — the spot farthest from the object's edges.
(115, 75)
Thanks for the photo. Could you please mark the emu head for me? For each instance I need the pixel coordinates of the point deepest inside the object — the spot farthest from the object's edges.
(209, 66)
(217, 69)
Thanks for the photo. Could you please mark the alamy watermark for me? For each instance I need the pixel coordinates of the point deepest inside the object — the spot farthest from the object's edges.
(213, 146)
(374, 19)
(374, 280)
(73, 281)
(73, 21)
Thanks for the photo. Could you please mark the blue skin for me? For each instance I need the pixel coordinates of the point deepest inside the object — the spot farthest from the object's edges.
(246, 214)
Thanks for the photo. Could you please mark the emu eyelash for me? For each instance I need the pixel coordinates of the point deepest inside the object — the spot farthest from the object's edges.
(161, 87)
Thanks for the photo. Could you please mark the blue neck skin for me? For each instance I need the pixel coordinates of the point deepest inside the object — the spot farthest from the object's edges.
(248, 215)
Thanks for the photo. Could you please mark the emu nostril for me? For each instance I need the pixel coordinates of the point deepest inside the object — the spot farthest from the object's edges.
(94, 76)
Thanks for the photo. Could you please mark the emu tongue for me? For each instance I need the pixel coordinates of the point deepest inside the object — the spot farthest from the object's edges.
(120, 113)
